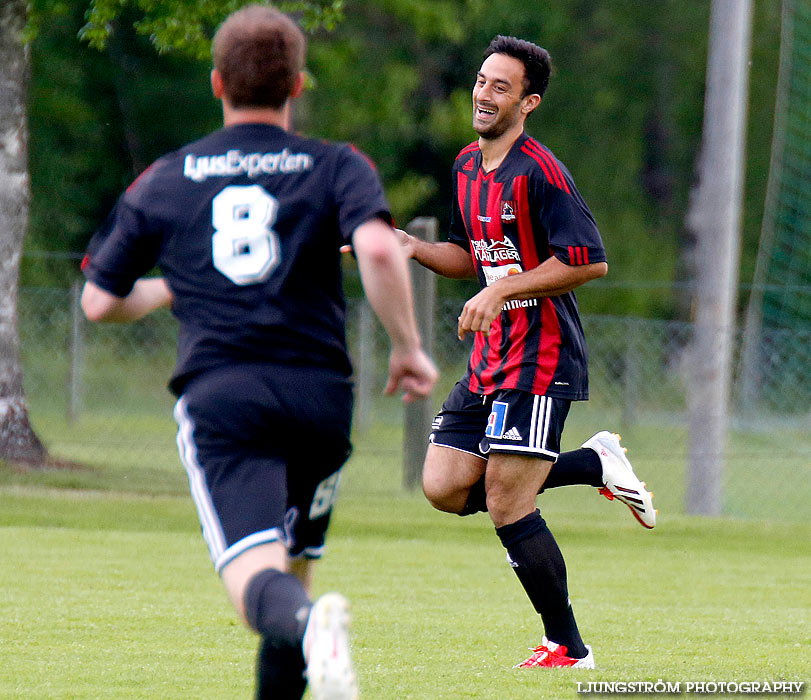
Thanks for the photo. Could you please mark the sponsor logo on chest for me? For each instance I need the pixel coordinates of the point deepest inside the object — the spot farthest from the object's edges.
(495, 251)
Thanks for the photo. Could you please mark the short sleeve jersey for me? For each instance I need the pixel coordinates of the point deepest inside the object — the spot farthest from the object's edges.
(511, 220)
(246, 226)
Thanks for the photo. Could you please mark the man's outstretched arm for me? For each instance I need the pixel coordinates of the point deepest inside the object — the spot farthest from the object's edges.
(147, 295)
(446, 259)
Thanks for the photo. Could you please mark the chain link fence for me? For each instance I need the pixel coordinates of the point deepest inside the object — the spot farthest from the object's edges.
(97, 395)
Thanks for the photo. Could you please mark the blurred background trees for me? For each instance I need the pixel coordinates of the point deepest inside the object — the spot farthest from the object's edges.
(623, 112)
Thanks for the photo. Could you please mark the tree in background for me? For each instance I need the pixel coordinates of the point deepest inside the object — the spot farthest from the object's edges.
(178, 24)
(17, 440)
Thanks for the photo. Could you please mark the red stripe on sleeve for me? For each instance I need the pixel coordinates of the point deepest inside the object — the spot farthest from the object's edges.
(560, 179)
(571, 255)
(549, 178)
(578, 252)
(585, 256)
(534, 149)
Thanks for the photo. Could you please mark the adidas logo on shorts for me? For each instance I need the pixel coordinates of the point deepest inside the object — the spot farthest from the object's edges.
(512, 434)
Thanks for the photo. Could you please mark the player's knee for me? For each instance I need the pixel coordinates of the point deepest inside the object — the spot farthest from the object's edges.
(505, 505)
(439, 496)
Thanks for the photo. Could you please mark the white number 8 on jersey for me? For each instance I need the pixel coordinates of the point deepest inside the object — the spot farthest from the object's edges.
(245, 248)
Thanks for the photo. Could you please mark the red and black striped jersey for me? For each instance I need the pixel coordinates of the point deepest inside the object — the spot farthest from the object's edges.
(511, 220)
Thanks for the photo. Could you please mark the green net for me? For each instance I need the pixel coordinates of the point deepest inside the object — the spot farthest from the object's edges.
(782, 283)
(777, 334)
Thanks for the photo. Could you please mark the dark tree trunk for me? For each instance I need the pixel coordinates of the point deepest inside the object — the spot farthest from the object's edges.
(17, 440)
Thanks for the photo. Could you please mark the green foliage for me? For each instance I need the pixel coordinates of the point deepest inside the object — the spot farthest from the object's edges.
(623, 111)
(184, 25)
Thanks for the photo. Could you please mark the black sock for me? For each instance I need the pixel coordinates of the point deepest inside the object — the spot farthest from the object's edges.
(539, 565)
(277, 606)
(279, 673)
(581, 466)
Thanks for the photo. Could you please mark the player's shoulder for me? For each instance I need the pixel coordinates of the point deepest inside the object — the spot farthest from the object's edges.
(346, 154)
(350, 150)
(467, 154)
(152, 178)
(543, 165)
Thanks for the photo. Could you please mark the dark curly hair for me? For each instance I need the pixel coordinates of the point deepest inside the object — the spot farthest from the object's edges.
(259, 51)
(537, 61)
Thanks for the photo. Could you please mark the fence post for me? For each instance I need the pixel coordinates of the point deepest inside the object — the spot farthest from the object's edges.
(76, 352)
(365, 368)
(631, 372)
(418, 415)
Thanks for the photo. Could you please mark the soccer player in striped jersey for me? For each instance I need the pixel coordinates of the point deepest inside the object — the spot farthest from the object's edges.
(246, 224)
(520, 226)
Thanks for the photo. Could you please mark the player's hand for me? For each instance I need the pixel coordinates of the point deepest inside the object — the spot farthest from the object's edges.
(479, 312)
(412, 372)
(406, 241)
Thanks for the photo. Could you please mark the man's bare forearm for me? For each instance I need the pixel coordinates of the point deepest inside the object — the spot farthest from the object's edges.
(446, 259)
(550, 279)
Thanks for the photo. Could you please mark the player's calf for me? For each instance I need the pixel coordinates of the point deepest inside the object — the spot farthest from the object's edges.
(277, 607)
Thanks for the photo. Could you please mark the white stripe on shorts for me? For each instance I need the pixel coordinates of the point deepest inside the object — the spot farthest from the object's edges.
(547, 416)
(539, 430)
(246, 543)
(533, 426)
(210, 521)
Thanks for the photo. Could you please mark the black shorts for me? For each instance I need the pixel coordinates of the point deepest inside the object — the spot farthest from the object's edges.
(263, 448)
(507, 421)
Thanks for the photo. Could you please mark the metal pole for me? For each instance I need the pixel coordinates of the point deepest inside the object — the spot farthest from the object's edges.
(418, 415)
(714, 218)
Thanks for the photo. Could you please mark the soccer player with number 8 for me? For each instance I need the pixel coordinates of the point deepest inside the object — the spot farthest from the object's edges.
(246, 225)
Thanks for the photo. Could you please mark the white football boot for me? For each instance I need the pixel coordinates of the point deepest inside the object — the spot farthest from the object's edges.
(619, 480)
(326, 650)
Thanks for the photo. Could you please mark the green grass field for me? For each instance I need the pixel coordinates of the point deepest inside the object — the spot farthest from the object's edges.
(107, 592)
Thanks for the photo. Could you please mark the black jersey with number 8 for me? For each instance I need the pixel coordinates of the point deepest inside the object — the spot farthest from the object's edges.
(246, 226)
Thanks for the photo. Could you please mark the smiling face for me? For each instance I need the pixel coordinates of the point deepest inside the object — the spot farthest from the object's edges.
(499, 103)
